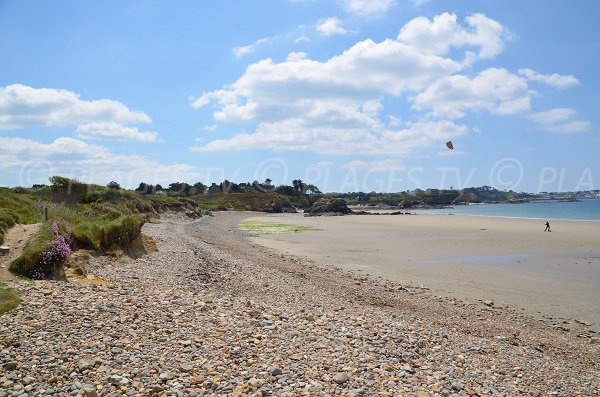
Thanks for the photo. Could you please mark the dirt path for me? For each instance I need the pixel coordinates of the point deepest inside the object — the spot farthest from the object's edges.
(17, 238)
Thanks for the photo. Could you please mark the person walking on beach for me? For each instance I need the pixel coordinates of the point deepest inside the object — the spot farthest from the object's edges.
(547, 229)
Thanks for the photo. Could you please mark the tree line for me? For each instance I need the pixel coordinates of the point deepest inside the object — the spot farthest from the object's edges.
(298, 188)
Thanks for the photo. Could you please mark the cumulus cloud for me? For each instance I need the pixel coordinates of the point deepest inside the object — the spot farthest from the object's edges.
(35, 161)
(239, 52)
(330, 26)
(338, 105)
(22, 106)
(559, 120)
(494, 90)
(368, 7)
(364, 72)
(295, 135)
(437, 36)
(114, 131)
(554, 80)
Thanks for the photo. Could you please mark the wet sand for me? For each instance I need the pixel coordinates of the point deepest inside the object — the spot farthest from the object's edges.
(508, 261)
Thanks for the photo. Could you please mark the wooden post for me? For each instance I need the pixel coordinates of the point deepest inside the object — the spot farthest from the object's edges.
(46, 214)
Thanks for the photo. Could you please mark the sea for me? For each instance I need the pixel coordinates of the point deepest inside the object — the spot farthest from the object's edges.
(583, 210)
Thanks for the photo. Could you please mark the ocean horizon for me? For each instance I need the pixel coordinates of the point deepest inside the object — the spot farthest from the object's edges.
(583, 210)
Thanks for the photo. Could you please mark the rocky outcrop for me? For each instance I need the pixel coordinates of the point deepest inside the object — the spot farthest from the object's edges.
(328, 207)
(279, 207)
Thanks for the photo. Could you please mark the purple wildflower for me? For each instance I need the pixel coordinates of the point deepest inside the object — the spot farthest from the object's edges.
(58, 252)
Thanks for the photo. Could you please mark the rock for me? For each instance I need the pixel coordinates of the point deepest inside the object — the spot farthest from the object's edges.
(115, 379)
(165, 376)
(10, 365)
(328, 206)
(275, 371)
(89, 392)
(488, 303)
(4, 250)
(341, 378)
(186, 367)
(456, 386)
(85, 364)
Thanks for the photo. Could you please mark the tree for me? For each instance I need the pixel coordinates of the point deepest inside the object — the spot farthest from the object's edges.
(298, 187)
(113, 185)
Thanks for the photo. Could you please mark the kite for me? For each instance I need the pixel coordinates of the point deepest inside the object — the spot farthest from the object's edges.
(449, 145)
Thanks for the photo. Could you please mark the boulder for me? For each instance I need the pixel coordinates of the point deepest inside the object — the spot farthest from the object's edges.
(328, 206)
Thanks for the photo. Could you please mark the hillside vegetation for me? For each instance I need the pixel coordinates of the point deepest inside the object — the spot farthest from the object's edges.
(86, 216)
(433, 197)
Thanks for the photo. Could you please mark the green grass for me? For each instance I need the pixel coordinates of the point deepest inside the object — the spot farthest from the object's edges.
(25, 264)
(9, 299)
(260, 228)
(17, 206)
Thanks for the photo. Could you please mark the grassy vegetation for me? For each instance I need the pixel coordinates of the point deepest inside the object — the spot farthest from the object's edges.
(252, 201)
(259, 228)
(9, 299)
(17, 206)
(99, 218)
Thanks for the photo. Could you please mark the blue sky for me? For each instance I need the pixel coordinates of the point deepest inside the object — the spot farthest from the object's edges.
(350, 95)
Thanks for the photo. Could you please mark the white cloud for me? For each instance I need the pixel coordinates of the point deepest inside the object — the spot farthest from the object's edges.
(494, 90)
(443, 32)
(418, 3)
(553, 80)
(115, 131)
(239, 52)
(368, 7)
(377, 165)
(296, 56)
(330, 26)
(34, 162)
(210, 128)
(559, 120)
(270, 91)
(296, 135)
(338, 105)
(22, 106)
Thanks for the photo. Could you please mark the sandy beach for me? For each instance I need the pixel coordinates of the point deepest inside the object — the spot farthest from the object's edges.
(509, 261)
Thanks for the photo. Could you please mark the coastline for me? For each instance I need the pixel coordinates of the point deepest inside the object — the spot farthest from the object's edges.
(509, 261)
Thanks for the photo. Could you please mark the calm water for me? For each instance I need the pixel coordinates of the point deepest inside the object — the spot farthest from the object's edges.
(581, 210)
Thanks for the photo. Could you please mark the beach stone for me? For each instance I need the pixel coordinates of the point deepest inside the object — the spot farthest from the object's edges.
(456, 386)
(341, 378)
(186, 367)
(10, 365)
(89, 392)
